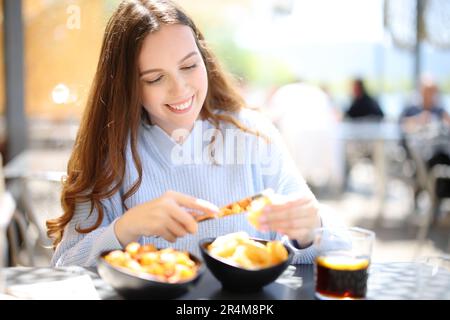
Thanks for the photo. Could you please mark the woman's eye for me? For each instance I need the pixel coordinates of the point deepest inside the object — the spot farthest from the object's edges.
(189, 67)
(160, 77)
(154, 81)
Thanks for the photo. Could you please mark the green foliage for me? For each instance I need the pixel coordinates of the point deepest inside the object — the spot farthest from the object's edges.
(445, 86)
(259, 69)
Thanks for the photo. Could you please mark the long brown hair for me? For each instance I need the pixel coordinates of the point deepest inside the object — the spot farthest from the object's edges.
(113, 113)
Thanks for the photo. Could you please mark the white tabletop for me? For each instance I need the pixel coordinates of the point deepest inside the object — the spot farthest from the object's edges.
(40, 163)
(369, 131)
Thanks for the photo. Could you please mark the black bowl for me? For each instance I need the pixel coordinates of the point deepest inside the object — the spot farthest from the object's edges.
(238, 279)
(139, 286)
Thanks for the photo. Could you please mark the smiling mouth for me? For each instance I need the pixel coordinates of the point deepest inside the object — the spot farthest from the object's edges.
(181, 107)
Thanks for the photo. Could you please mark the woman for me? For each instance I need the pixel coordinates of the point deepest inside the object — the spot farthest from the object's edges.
(158, 135)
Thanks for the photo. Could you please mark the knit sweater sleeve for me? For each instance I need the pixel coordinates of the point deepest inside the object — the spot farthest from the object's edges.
(82, 249)
(280, 173)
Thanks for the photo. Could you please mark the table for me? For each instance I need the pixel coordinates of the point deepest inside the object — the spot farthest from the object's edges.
(42, 133)
(396, 280)
(47, 164)
(378, 134)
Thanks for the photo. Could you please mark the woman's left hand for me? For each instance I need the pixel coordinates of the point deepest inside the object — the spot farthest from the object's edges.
(294, 216)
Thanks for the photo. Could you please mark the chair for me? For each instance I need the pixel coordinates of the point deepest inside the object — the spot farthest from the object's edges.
(12, 226)
(422, 145)
(7, 211)
(35, 199)
(34, 180)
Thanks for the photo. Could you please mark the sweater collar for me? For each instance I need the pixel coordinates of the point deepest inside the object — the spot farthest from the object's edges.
(175, 153)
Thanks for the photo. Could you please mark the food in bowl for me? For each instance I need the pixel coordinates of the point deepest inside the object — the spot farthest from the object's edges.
(239, 250)
(232, 275)
(166, 265)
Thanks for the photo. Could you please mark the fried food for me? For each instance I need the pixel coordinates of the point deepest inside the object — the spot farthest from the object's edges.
(253, 205)
(277, 252)
(255, 210)
(167, 265)
(238, 249)
(236, 207)
(201, 217)
(258, 253)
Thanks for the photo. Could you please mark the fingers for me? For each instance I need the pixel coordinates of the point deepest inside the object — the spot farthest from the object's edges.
(193, 203)
(174, 230)
(168, 235)
(291, 211)
(303, 236)
(288, 226)
(171, 228)
(299, 229)
(202, 217)
(288, 202)
(294, 218)
(182, 218)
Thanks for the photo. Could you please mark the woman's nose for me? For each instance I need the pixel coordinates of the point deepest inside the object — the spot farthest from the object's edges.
(177, 86)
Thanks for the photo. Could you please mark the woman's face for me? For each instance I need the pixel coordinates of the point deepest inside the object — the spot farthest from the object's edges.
(173, 77)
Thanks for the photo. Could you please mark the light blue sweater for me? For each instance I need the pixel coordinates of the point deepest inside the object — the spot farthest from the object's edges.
(244, 165)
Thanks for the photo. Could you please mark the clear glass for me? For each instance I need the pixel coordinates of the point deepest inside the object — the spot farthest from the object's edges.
(433, 278)
(342, 262)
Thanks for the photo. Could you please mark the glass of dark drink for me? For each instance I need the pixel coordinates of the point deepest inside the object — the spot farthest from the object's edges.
(342, 262)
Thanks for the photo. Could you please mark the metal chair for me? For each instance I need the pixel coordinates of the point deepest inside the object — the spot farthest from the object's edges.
(31, 244)
(34, 179)
(421, 145)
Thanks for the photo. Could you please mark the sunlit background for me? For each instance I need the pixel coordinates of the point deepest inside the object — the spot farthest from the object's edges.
(265, 44)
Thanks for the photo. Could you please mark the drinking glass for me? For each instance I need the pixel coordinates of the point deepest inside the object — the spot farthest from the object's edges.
(342, 262)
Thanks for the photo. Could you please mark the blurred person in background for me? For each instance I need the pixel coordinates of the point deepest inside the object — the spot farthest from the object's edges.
(363, 106)
(429, 117)
(426, 111)
(308, 123)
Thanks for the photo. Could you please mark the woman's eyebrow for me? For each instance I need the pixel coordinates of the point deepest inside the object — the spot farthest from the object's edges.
(159, 70)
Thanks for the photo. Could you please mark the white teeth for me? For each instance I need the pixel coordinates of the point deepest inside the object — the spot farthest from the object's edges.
(182, 106)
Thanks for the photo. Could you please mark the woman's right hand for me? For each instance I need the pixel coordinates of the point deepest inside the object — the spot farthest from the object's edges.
(165, 217)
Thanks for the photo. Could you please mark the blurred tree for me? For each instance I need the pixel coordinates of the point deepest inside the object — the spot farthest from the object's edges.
(412, 21)
(61, 58)
(249, 66)
(220, 21)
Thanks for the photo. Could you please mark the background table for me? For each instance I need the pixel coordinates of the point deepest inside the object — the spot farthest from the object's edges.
(377, 135)
(45, 164)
